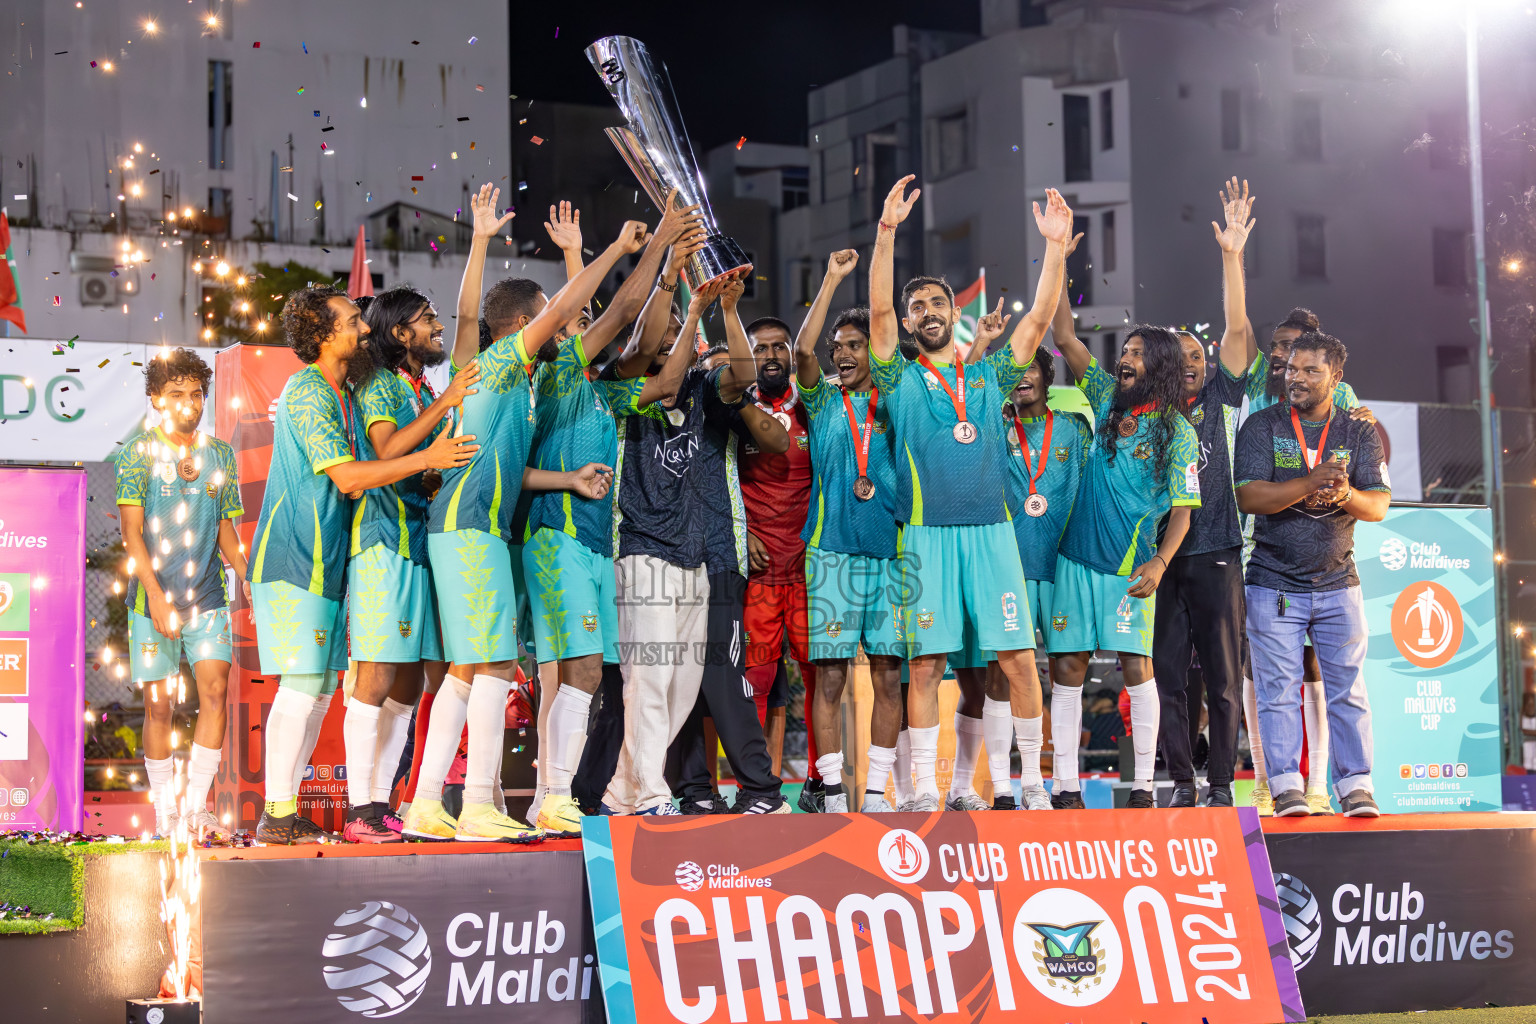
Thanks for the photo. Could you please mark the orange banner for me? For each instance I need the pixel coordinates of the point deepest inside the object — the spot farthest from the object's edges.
(1163, 917)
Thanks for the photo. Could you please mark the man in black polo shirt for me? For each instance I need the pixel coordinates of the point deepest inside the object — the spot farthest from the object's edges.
(1307, 472)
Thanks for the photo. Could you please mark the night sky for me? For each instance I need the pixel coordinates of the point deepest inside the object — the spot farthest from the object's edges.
(745, 70)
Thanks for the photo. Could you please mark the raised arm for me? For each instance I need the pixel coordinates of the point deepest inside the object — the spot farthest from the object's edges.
(807, 367)
(678, 226)
(564, 228)
(1064, 328)
(666, 383)
(466, 331)
(988, 329)
(1232, 238)
(1055, 224)
(645, 339)
(884, 319)
(578, 291)
(740, 368)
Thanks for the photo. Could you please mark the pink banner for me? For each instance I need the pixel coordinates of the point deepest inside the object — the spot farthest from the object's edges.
(42, 648)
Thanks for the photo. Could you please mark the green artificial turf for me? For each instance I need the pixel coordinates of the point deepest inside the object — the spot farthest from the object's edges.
(50, 878)
(1488, 1015)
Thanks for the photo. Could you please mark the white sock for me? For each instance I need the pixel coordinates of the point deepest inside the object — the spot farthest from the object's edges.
(162, 794)
(997, 731)
(360, 731)
(487, 725)
(202, 766)
(1146, 709)
(1314, 709)
(285, 731)
(902, 768)
(968, 736)
(1030, 733)
(1066, 736)
(925, 760)
(568, 714)
(831, 768)
(394, 730)
(498, 794)
(880, 761)
(444, 728)
(1251, 721)
(312, 724)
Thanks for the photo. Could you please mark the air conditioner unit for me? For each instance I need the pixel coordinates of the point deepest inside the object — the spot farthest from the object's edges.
(97, 286)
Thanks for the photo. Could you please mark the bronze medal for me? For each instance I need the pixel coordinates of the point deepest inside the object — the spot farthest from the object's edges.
(783, 418)
(863, 488)
(1128, 425)
(1035, 505)
(187, 469)
(965, 432)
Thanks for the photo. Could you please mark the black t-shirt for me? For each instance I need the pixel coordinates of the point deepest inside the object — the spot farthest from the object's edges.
(1306, 548)
(678, 497)
(1214, 525)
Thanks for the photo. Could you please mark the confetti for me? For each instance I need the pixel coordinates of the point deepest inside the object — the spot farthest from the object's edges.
(55, 300)
(471, 145)
(93, 63)
(317, 113)
(473, 40)
(479, 88)
(536, 141)
(463, 119)
(305, 45)
(557, 31)
(104, 362)
(300, 91)
(255, 46)
(328, 128)
(293, 197)
(418, 177)
(741, 142)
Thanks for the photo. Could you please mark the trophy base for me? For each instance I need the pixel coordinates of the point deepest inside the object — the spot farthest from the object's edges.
(720, 257)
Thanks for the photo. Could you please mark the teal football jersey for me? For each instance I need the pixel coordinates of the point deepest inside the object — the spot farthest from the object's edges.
(1063, 455)
(1121, 503)
(941, 482)
(394, 515)
(181, 515)
(838, 520)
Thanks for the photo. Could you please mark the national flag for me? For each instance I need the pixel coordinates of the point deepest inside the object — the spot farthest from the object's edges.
(10, 292)
(361, 281)
(973, 306)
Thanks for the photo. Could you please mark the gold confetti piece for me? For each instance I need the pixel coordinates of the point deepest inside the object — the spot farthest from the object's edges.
(104, 362)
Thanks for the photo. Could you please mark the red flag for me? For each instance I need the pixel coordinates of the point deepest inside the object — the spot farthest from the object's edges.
(361, 282)
(10, 296)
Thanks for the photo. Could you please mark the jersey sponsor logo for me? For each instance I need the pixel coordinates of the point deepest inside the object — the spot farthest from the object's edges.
(1123, 612)
(977, 382)
(1287, 453)
(675, 452)
(1062, 454)
(1197, 417)
(589, 622)
(1076, 964)
(1010, 612)
(803, 442)
(1192, 479)
(879, 427)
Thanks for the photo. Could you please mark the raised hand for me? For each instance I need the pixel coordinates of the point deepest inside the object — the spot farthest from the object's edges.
(734, 286)
(897, 206)
(841, 263)
(564, 227)
(1072, 243)
(1236, 207)
(483, 206)
(705, 297)
(1056, 222)
(592, 480)
(449, 452)
(678, 222)
(632, 237)
(463, 384)
(991, 326)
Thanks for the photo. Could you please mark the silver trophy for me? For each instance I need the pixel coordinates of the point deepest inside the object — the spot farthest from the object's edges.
(656, 147)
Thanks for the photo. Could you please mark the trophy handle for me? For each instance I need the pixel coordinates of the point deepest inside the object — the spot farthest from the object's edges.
(640, 163)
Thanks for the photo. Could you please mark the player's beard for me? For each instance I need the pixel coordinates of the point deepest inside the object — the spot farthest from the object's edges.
(1139, 393)
(773, 384)
(1274, 384)
(360, 364)
(943, 340)
(427, 354)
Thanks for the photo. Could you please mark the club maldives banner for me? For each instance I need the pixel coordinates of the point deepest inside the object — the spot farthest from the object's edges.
(1384, 921)
(42, 648)
(1160, 917)
(1431, 669)
(455, 936)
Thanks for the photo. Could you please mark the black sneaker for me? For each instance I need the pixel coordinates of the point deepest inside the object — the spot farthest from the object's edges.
(288, 830)
(1219, 795)
(707, 805)
(1067, 800)
(1184, 795)
(1142, 799)
(1291, 803)
(1358, 804)
(1004, 803)
(813, 797)
(775, 804)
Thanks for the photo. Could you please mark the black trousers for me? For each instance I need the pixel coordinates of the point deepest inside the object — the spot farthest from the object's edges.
(605, 737)
(725, 696)
(1200, 609)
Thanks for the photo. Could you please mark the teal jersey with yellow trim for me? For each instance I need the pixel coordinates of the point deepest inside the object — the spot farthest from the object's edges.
(483, 494)
(1121, 503)
(575, 426)
(941, 482)
(1259, 398)
(181, 516)
(1039, 537)
(302, 535)
(839, 521)
(394, 515)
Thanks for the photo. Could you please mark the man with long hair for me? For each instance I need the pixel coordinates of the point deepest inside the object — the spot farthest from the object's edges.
(1143, 468)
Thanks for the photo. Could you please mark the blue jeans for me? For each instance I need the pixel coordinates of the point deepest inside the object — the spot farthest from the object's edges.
(1335, 620)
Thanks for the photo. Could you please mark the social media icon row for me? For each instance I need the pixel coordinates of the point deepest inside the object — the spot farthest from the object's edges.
(1432, 771)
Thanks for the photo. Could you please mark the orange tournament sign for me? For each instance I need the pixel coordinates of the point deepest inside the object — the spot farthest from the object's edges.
(1158, 916)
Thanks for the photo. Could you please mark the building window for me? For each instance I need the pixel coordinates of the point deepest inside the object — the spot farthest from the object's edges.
(796, 188)
(1307, 128)
(821, 176)
(882, 166)
(1454, 366)
(1108, 255)
(1311, 247)
(1107, 119)
(1450, 257)
(1077, 138)
(221, 105)
(1079, 268)
(1232, 120)
(951, 144)
(220, 211)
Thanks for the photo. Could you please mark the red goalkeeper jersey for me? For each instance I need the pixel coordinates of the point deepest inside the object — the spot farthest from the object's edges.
(776, 490)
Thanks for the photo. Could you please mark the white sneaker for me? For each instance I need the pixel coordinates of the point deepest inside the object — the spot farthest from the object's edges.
(203, 825)
(166, 826)
(1036, 799)
(967, 801)
(876, 803)
(926, 803)
(837, 803)
(907, 806)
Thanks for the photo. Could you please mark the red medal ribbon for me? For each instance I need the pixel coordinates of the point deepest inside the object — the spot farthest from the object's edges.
(861, 437)
(346, 411)
(959, 401)
(1322, 442)
(1045, 447)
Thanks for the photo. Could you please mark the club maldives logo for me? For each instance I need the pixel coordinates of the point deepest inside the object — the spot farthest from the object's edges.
(377, 959)
(1070, 949)
(689, 876)
(1303, 918)
(1394, 554)
(903, 856)
(1426, 624)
